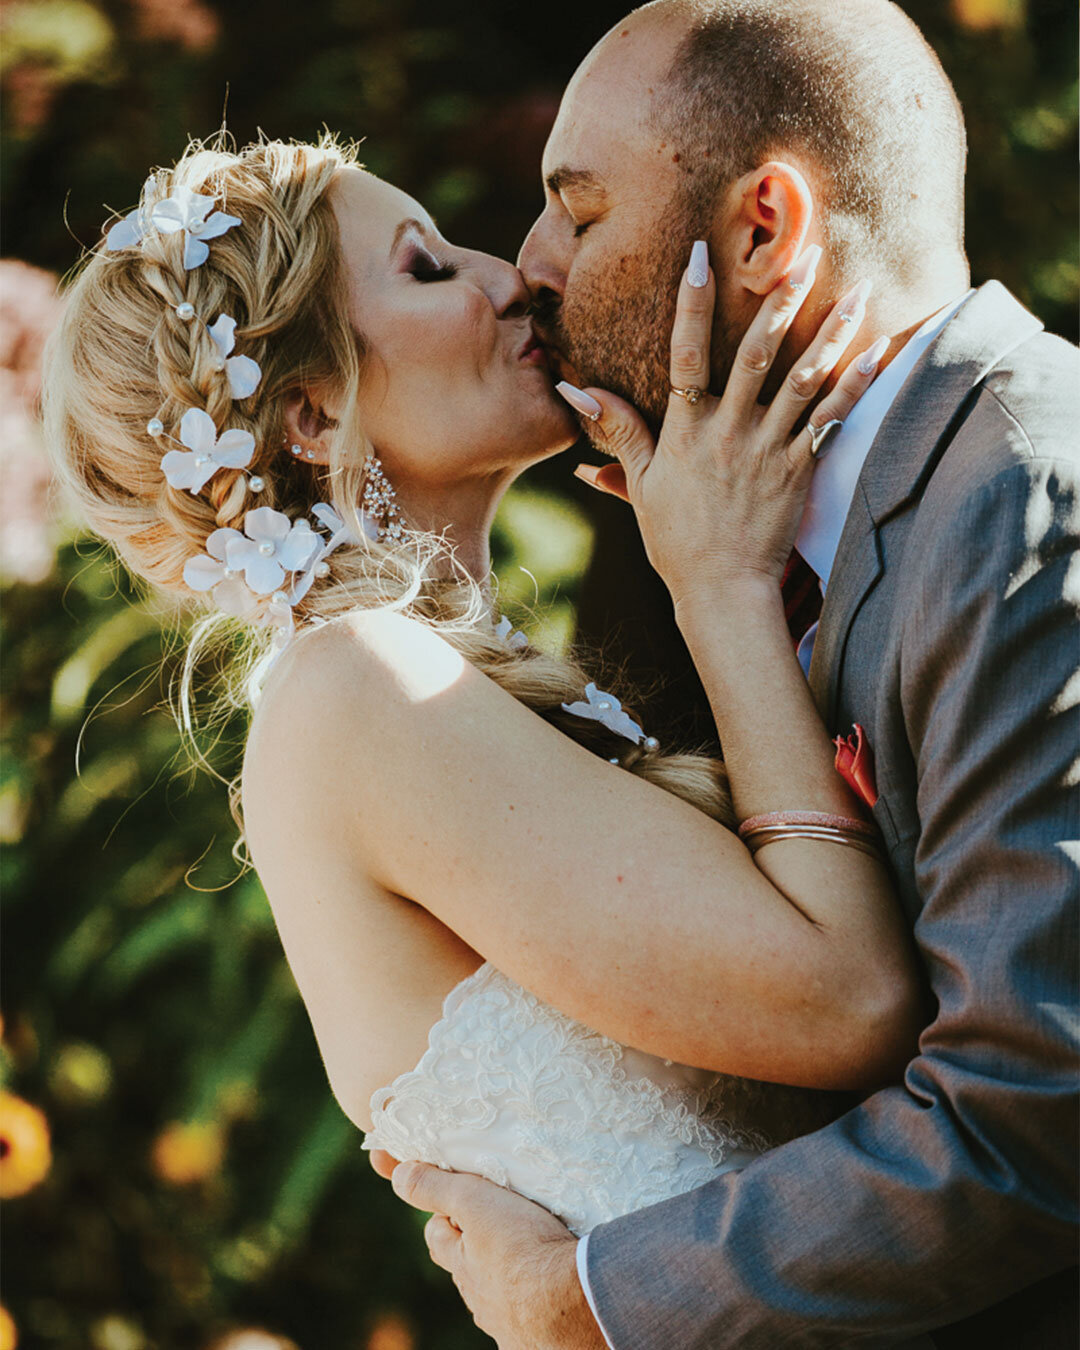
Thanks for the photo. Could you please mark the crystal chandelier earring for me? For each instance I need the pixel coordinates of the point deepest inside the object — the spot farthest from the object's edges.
(379, 500)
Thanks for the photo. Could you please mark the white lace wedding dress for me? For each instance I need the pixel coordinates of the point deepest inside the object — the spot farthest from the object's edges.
(512, 1089)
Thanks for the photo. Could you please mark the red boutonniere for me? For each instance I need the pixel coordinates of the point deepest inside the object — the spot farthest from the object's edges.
(855, 764)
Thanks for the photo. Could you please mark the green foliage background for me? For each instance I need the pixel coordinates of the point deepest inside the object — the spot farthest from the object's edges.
(143, 983)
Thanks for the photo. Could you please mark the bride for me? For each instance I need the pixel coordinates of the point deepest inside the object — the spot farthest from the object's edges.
(279, 390)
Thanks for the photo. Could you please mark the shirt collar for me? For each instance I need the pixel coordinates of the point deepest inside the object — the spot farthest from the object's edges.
(833, 484)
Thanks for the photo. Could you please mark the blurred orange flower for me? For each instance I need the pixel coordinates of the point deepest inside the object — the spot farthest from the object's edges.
(391, 1332)
(25, 1155)
(9, 1337)
(188, 1151)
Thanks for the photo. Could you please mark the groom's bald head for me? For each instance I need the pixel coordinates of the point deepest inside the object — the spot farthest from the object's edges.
(761, 126)
(852, 89)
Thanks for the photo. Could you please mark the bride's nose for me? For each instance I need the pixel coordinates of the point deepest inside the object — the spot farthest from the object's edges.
(506, 290)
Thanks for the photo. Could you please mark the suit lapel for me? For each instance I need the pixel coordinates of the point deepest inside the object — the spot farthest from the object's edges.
(917, 428)
(854, 574)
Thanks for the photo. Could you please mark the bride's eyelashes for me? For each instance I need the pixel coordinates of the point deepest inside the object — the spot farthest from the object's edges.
(425, 267)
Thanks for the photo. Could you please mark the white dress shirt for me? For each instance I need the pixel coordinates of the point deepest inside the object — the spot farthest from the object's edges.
(832, 489)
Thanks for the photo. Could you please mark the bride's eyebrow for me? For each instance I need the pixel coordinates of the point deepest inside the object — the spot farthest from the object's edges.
(403, 228)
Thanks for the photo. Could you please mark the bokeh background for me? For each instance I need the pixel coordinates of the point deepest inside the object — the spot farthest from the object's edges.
(175, 1171)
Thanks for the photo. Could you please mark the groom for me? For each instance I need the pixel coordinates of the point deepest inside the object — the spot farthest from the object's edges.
(944, 528)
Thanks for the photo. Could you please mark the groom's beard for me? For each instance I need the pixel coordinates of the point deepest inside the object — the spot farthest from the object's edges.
(616, 332)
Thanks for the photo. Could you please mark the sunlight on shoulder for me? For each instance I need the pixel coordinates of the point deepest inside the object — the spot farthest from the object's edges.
(423, 664)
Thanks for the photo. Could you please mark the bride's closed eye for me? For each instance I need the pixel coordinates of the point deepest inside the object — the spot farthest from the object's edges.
(425, 266)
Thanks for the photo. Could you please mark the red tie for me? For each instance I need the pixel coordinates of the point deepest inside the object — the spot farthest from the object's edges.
(801, 589)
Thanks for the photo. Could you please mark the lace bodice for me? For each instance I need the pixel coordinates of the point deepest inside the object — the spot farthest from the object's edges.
(514, 1090)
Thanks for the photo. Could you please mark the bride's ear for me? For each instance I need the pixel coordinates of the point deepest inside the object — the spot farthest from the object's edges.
(771, 207)
(309, 426)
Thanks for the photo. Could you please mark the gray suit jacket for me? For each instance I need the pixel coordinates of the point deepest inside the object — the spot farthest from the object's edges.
(950, 633)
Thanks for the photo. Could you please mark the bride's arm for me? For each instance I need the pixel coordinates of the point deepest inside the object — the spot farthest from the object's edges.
(383, 756)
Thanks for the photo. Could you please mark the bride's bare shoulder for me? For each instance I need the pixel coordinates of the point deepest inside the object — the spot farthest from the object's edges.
(361, 656)
(367, 644)
(335, 686)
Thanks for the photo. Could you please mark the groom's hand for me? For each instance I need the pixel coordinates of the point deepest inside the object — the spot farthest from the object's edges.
(514, 1264)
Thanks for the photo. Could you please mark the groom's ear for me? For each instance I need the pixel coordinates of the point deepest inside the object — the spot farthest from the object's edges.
(771, 209)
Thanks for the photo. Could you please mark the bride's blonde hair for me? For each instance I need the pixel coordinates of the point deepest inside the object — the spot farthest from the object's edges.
(122, 355)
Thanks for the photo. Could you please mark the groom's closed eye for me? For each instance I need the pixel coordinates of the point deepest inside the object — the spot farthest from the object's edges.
(581, 195)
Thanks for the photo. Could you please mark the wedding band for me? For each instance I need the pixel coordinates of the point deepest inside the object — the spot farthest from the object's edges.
(691, 393)
(820, 437)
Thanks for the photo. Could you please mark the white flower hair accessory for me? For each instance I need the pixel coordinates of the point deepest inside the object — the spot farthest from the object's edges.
(184, 210)
(190, 211)
(606, 709)
(270, 546)
(515, 640)
(124, 233)
(340, 533)
(210, 571)
(273, 546)
(209, 452)
(243, 373)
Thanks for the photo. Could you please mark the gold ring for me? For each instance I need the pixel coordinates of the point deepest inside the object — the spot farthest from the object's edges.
(691, 393)
(821, 436)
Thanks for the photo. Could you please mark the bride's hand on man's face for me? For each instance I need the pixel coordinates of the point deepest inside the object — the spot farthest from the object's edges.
(719, 495)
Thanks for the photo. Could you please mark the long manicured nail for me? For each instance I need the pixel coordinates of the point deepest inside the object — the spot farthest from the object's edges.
(577, 398)
(868, 362)
(854, 301)
(802, 274)
(588, 473)
(697, 274)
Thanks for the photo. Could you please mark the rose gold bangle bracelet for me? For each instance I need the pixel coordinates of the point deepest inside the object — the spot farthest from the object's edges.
(757, 831)
(772, 819)
(757, 839)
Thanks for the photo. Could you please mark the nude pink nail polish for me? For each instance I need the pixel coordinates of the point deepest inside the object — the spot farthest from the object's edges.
(802, 274)
(854, 300)
(868, 362)
(577, 398)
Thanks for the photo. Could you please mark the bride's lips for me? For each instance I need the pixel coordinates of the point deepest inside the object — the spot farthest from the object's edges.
(560, 367)
(533, 352)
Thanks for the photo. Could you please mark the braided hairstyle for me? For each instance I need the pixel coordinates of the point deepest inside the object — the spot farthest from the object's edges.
(122, 355)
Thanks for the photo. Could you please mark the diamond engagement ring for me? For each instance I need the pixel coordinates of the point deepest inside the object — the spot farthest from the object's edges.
(691, 393)
(821, 436)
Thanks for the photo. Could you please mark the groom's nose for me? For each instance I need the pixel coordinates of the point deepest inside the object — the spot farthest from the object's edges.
(541, 262)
